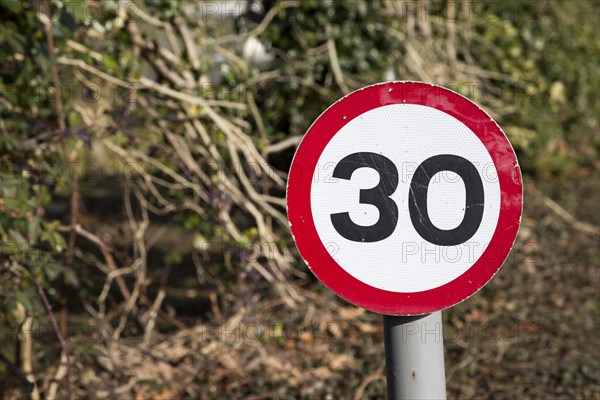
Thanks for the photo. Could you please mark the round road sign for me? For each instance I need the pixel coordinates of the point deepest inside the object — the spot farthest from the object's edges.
(404, 198)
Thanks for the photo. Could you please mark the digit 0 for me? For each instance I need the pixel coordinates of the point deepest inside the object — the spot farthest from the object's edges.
(417, 203)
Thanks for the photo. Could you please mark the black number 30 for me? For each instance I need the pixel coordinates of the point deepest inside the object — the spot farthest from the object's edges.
(379, 196)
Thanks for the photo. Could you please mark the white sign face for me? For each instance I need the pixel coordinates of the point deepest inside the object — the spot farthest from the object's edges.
(404, 198)
(406, 134)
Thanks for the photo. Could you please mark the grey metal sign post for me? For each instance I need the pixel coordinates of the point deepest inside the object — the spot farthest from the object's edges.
(414, 357)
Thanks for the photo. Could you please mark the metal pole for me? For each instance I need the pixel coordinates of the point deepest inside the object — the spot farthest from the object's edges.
(414, 357)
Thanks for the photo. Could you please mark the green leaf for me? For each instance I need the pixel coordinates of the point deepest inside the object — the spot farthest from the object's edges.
(18, 240)
(53, 270)
(34, 230)
(24, 299)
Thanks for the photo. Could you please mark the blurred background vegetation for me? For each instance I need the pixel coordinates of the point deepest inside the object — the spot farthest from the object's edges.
(144, 247)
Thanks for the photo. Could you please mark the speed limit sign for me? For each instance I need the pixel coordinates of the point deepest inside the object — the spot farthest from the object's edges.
(404, 198)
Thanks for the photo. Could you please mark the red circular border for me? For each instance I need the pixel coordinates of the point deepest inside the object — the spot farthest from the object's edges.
(316, 255)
